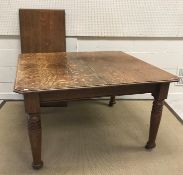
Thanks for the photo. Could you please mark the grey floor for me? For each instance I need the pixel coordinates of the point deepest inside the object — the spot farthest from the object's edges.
(176, 104)
(90, 138)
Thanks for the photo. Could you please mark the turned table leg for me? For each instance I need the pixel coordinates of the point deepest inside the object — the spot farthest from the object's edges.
(156, 113)
(32, 107)
(154, 122)
(112, 101)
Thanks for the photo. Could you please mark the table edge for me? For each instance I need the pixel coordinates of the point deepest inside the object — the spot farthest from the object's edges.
(20, 91)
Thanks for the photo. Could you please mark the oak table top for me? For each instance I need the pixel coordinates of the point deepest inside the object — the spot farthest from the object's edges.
(67, 70)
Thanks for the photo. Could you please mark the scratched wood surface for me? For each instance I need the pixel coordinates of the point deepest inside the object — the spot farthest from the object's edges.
(42, 30)
(57, 71)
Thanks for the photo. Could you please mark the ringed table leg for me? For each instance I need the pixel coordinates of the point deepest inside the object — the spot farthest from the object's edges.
(154, 122)
(156, 114)
(112, 101)
(32, 107)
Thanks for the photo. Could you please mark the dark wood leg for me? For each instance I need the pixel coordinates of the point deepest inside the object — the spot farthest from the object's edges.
(156, 114)
(112, 101)
(154, 122)
(34, 129)
(32, 107)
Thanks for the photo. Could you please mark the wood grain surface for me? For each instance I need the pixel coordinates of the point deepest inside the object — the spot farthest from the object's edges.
(57, 71)
(42, 30)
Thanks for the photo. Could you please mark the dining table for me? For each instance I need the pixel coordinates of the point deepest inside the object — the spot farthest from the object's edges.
(68, 76)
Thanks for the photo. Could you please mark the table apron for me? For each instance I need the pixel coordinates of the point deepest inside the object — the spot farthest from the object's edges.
(85, 93)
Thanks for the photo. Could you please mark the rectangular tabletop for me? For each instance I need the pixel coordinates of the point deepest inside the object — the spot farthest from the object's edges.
(66, 70)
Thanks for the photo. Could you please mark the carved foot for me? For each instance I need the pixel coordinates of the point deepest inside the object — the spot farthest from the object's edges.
(150, 145)
(112, 101)
(37, 166)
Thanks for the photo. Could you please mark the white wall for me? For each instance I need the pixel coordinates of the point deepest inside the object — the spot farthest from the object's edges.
(144, 18)
(164, 53)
